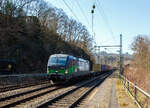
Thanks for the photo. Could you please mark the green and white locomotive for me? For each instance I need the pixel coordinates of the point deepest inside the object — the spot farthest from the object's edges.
(65, 67)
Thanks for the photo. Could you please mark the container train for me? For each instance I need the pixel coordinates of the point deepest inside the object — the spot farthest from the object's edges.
(101, 67)
(66, 67)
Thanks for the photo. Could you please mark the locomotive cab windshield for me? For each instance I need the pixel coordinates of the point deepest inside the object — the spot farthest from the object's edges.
(58, 61)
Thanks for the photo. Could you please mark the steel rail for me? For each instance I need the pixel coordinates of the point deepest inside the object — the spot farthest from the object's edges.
(51, 101)
(19, 86)
(12, 104)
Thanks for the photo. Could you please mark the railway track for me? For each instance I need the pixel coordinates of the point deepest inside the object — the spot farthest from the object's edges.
(73, 97)
(15, 99)
(18, 86)
(51, 96)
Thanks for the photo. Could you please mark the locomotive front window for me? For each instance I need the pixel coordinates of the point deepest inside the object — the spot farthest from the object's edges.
(58, 61)
(53, 61)
(62, 61)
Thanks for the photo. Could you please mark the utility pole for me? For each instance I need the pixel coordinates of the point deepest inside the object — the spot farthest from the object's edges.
(92, 12)
(121, 56)
(105, 57)
(99, 60)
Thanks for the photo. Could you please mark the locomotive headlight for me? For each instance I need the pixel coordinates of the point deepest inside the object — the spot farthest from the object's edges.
(9, 66)
(66, 72)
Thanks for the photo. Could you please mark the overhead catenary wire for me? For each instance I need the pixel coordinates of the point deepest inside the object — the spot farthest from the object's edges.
(102, 13)
(112, 50)
(69, 3)
(82, 11)
(70, 9)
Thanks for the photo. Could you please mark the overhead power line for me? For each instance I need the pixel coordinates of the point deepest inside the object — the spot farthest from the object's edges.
(82, 11)
(69, 3)
(102, 13)
(70, 10)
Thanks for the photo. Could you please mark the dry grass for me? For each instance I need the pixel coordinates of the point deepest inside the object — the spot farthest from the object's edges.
(144, 101)
(141, 98)
(138, 76)
(124, 101)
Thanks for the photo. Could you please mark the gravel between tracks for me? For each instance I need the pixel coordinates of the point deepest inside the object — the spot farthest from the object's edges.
(32, 99)
(22, 97)
(17, 100)
(46, 98)
(13, 92)
(68, 100)
(42, 99)
(36, 98)
(72, 98)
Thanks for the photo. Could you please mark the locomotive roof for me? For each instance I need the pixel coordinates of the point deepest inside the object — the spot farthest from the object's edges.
(66, 55)
(59, 55)
(83, 60)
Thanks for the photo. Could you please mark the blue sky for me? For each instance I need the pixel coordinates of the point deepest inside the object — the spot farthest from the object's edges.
(127, 17)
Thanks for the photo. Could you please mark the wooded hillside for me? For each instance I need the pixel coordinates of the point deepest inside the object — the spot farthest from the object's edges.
(31, 30)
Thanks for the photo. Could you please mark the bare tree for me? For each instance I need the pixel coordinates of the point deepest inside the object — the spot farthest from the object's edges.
(141, 47)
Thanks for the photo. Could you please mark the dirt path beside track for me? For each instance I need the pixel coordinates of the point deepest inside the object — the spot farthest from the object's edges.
(109, 95)
(101, 96)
